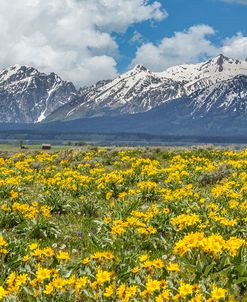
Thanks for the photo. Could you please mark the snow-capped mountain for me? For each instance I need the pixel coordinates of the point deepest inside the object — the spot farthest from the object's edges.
(226, 97)
(207, 73)
(140, 90)
(217, 85)
(220, 109)
(28, 96)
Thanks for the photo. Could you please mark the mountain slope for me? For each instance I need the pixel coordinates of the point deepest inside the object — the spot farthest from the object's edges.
(218, 110)
(28, 96)
(140, 90)
(225, 98)
(197, 76)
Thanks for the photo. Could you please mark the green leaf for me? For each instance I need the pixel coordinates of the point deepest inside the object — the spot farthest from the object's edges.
(209, 268)
(241, 280)
(242, 269)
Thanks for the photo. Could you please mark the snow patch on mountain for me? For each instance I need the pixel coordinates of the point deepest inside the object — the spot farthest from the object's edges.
(214, 70)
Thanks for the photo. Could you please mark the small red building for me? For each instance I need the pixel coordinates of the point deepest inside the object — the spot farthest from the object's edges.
(46, 147)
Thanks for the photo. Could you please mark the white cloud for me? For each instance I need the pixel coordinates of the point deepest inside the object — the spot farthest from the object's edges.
(235, 47)
(71, 37)
(184, 47)
(136, 38)
(191, 46)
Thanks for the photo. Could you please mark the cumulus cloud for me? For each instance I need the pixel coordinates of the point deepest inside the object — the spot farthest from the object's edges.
(184, 47)
(235, 47)
(136, 38)
(71, 37)
(191, 46)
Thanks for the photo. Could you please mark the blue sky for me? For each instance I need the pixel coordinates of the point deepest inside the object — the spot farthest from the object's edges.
(226, 18)
(85, 41)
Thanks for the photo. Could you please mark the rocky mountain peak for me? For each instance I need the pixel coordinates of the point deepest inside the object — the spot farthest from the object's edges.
(140, 68)
(29, 96)
(220, 61)
(222, 58)
(18, 73)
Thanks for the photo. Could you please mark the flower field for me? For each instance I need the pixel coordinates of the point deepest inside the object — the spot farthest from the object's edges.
(123, 225)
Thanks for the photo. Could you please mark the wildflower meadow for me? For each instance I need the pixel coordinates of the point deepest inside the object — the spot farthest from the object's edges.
(130, 224)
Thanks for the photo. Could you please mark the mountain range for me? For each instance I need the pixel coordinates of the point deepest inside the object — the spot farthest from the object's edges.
(205, 98)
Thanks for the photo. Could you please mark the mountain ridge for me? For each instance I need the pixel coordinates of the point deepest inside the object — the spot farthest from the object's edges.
(174, 117)
(27, 95)
(140, 89)
(212, 92)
